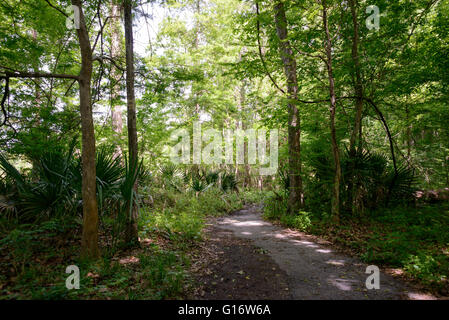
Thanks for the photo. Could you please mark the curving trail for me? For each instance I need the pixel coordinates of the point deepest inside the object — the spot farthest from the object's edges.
(310, 270)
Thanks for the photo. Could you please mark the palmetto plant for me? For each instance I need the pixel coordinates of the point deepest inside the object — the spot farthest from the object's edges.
(199, 185)
(375, 182)
(7, 205)
(171, 176)
(284, 177)
(8, 187)
(212, 177)
(109, 171)
(129, 179)
(229, 182)
(56, 190)
(126, 198)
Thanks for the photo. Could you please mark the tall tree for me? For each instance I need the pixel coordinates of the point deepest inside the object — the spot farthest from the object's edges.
(131, 231)
(296, 196)
(116, 52)
(335, 209)
(357, 80)
(89, 241)
(356, 134)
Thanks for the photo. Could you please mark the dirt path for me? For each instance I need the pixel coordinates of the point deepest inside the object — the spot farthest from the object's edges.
(255, 259)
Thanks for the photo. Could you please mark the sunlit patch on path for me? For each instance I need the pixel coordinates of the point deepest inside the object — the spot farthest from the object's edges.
(314, 270)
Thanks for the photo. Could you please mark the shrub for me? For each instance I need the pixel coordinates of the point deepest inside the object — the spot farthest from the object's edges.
(275, 205)
(428, 268)
(300, 221)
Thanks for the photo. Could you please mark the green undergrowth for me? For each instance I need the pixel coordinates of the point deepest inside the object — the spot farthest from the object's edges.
(275, 209)
(34, 257)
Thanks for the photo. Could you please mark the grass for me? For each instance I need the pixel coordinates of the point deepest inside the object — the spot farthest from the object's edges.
(152, 274)
(33, 258)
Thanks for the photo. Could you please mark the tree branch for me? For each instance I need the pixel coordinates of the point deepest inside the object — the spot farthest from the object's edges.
(104, 57)
(5, 96)
(260, 52)
(23, 74)
(56, 8)
(387, 129)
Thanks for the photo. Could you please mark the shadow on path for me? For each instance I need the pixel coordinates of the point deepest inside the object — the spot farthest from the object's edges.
(313, 270)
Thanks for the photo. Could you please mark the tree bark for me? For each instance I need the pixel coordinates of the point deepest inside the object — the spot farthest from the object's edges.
(116, 52)
(335, 211)
(296, 196)
(355, 140)
(244, 119)
(34, 159)
(89, 238)
(197, 25)
(89, 241)
(356, 135)
(408, 136)
(131, 235)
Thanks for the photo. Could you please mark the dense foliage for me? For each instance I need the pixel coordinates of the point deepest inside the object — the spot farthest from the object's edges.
(362, 115)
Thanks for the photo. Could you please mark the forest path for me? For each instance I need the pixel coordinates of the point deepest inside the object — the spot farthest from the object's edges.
(286, 264)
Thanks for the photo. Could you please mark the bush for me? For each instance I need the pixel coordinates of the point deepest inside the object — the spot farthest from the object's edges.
(275, 205)
(177, 226)
(368, 182)
(276, 209)
(300, 221)
(431, 269)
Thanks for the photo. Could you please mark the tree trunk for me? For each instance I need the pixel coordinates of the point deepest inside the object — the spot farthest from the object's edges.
(356, 136)
(89, 241)
(197, 25)
(34, 158)
(333, 105)
(355, 140)
(116, 52)
(296, 196)
(131, 232)
(446, 164)
(409, 136)
(244, 119)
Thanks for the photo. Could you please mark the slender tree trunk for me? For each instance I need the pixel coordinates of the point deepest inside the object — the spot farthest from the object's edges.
(333, 105)
(242, 101)
(132, 231)
(446, 164)
(355, 140)
(116, 52)
(296, 196)
(356, 136)
(196, 95)
(34, 158)
(238, 125)
(89, 241)
(409, 136)
(237, 166)
(244, 117)
(197, 25)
